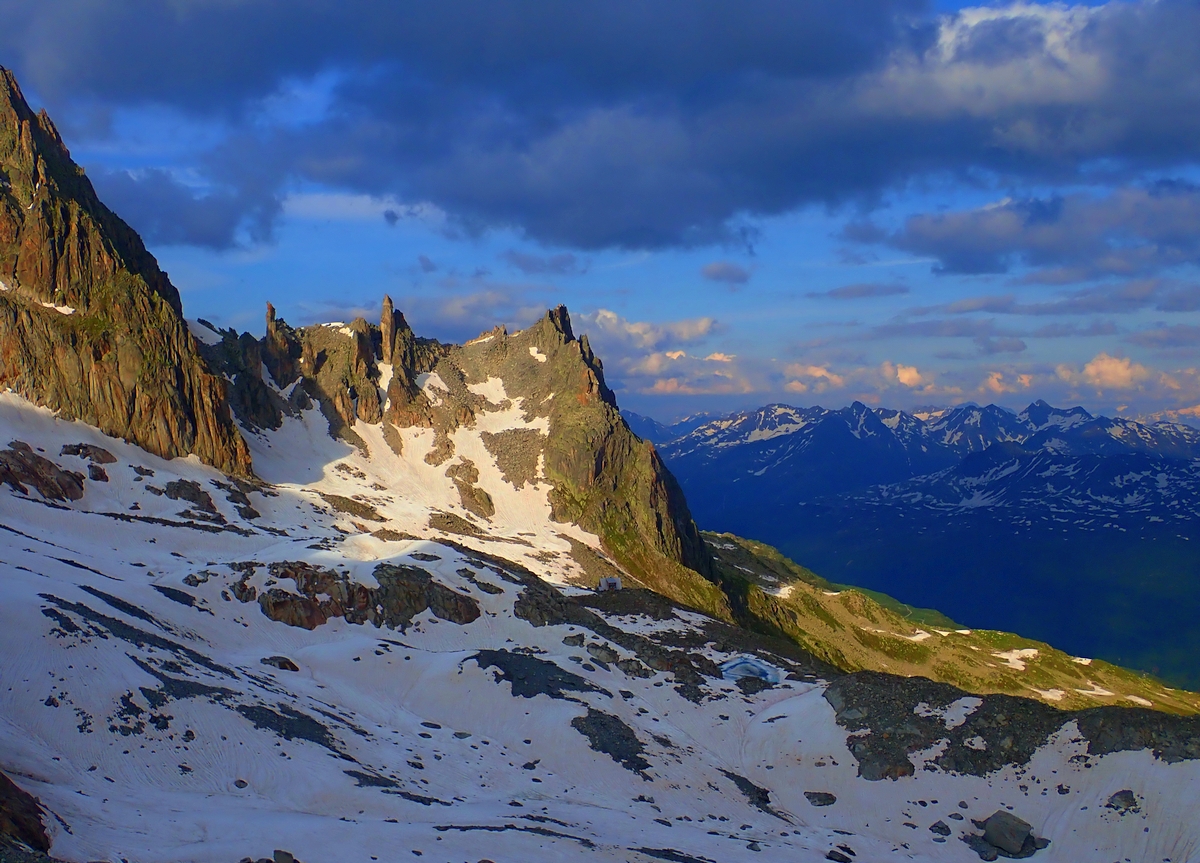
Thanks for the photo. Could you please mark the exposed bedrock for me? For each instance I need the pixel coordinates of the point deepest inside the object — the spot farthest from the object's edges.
(890, 718)
(403, 593)
(21, 469)
(89, 325)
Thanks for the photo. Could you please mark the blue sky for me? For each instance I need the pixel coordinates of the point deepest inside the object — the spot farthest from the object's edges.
(884, 200)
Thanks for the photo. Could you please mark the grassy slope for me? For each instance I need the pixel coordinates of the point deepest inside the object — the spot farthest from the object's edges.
(856, 629)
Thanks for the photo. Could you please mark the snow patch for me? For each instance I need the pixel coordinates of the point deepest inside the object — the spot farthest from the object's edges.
(953, 714)
(1015, 659)
(1050, 694)
(205, 335)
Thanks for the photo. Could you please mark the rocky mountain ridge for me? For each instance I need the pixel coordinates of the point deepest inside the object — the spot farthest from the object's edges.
(602, 477)
(900, 445)
(91, 327)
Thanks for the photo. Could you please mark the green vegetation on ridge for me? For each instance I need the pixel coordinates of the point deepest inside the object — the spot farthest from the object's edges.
(857, 630)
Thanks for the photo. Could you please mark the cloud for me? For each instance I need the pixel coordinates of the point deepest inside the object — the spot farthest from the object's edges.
(605, 326)
(561, 264)
(1177, 336)
(426, 264)
(997, 384)
(166, 212)
(1129, 232)
(681, 387)
(726, 272)
(1105, 372)
(805, 377)
(1009, 345)
(909, 376)
(1056, 331)
(634, 125)
(651, 358)
(861, 291)
(937, 328)
(1162, 294)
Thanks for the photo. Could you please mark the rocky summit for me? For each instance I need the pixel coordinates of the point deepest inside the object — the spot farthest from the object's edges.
(90, 326)
(430, 600)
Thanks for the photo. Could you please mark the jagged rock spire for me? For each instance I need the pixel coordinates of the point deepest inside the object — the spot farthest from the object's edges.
(387, 327)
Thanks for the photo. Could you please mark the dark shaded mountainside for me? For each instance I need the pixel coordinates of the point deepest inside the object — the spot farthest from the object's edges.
(1054, 523)
(89, 324)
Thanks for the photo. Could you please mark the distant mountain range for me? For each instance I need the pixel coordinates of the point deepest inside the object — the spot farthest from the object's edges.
(1061, 525)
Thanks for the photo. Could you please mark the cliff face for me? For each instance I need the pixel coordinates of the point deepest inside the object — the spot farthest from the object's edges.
(89, 325)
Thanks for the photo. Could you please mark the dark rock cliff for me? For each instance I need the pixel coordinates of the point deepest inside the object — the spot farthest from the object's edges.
(89, 325)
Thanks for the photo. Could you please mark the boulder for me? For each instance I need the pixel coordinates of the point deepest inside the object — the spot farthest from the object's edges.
(1006, 831)
(1123, 802)
(21, 468)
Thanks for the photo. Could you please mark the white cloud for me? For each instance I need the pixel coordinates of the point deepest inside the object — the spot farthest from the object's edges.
(998, 384)
(608, 325)
(805, 377)
(909, 376)
(1106, 372)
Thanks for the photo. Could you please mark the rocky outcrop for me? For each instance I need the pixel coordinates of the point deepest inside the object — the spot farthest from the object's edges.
(322, 594)
(21, 469)
(21, 817)
(89, 325)
(281, 350)
(607, 479)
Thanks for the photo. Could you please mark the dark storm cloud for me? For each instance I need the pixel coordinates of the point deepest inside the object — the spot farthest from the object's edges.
(630, 124)
(1131, 231)
(165, 211)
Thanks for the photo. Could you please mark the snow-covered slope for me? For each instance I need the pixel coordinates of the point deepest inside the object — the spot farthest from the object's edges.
(492, 709)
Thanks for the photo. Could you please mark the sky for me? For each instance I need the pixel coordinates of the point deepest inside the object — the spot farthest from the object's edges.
(902, 202)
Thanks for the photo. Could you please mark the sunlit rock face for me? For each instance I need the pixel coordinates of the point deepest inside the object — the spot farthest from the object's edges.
(89, 324)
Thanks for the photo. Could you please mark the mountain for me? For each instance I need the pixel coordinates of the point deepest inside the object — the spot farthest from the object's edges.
(655, 432)
(92, 328)
(647, 428)
(600, 475)
(1065, 527)
(376, 648)
(856, 630)
(374, 628)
